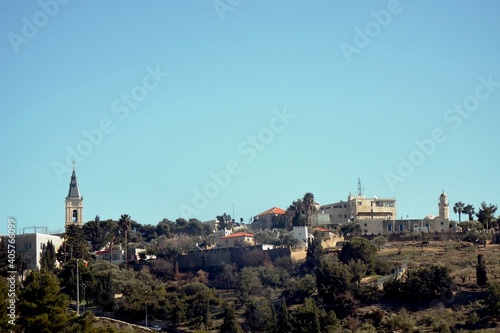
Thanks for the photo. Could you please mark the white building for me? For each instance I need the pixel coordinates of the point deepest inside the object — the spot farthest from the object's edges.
(118, 255)
(302, 235)
(31, 247)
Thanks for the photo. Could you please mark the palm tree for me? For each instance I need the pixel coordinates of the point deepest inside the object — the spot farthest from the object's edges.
(469, 210)
(309, 206)
(458, 209)
(294, 213)
(357, 230)
(125, 223)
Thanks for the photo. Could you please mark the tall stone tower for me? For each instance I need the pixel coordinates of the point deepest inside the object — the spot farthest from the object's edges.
(74, 203)
(444, 211)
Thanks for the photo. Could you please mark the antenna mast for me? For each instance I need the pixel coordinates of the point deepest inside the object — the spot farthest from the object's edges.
(359, 187)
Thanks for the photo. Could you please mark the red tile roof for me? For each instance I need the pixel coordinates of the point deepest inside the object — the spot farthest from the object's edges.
(106, 251)
(274, 210)
(322, 230)
(238, 234)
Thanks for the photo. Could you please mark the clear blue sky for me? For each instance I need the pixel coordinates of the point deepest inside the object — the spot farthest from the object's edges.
(287, 96)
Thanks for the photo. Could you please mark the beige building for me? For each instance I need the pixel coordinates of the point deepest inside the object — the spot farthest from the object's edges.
(74, 203)
(430, 223)
(265, 219)
(237, 239)
(379, 216)
(440, 223)
(355, 208)
(304, 235)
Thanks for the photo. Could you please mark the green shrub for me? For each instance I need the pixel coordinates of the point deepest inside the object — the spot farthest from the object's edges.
(367, 294)
(366, 328)
(472, 320)
(401, 322)
(422, 283)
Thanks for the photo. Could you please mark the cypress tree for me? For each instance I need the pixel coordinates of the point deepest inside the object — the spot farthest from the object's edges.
(481, 276)
(284, 322)
(314, 253)
(48, 260)
(230, 324)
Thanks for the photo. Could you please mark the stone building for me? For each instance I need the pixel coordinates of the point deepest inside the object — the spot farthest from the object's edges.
(74, 203)
(357, 207)
(237, 239)
(430, 223)
(31, 247)
(264, 220)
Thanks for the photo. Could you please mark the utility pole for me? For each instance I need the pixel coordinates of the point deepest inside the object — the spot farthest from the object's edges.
(77, 290)
(84, 297)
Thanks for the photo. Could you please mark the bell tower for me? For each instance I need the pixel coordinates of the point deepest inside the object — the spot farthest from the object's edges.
(74, 202)
(444, 206)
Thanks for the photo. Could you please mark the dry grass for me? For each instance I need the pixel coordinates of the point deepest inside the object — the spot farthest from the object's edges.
(461, 258)
(120, 327)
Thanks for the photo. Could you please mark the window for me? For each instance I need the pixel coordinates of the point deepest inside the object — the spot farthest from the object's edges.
(389, 227)
(365, 225)
(75, 216)
(345, 206)
(389, 204)
(345, 215)
(360, 203)
(427, 226)
(365, 231)
(401, 227)
(442, 223)
(379, 204)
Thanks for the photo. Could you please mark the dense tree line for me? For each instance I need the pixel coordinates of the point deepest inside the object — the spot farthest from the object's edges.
(485, 214)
